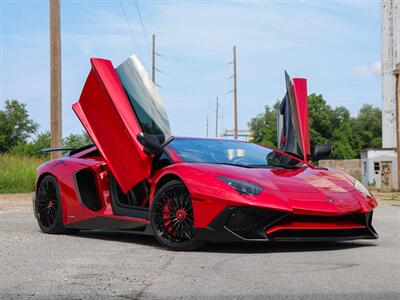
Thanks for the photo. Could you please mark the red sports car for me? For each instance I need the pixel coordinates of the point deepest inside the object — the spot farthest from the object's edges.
(187, 191)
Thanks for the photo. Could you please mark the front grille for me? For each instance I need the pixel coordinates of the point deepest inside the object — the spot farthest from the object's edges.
(325, 234)
(250, 222)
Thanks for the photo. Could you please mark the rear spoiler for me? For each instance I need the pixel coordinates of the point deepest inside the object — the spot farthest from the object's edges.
(55, 149)
(69, 149)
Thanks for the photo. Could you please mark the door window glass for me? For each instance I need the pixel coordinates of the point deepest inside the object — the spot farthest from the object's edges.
(144, 98)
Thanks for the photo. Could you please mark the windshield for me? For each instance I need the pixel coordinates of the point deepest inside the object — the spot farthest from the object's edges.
(144, 98)
(231, 153)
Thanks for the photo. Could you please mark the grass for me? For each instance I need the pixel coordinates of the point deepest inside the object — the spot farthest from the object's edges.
(17, 174)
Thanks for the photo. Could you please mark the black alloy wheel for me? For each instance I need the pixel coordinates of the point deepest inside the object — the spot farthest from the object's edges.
(172, 217)
(48, 206)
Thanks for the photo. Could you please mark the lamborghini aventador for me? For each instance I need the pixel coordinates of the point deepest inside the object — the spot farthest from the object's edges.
(188, 191)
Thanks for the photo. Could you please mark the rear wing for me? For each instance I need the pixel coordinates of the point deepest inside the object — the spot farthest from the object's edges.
(56, 149)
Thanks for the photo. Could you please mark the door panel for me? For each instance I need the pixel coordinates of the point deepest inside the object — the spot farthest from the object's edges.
(301, 98)
(108, 117)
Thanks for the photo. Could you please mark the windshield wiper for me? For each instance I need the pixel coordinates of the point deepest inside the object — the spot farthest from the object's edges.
(258, 166)
(286, 166)
(274, 166)
(231, 164)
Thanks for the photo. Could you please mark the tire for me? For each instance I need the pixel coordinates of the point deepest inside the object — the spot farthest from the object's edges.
(48, 207)
(172, 217)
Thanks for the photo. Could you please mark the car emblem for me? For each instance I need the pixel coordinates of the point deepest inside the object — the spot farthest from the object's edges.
(330, 200)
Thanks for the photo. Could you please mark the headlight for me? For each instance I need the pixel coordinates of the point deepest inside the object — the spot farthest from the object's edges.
(361, 188)
(242, 187)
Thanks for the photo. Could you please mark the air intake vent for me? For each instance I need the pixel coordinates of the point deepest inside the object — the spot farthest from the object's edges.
(250, 222)
(87, 190)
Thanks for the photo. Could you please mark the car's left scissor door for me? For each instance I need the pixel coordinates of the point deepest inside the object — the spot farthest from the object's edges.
(115, 107)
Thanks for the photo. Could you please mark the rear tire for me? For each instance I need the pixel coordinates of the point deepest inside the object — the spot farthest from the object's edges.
(172, 217)
(48, 207)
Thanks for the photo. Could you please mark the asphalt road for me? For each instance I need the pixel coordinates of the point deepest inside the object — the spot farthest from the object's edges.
(100, 265)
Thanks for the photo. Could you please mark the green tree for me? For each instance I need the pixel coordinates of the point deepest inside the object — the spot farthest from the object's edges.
(368, 127)
(77, 140)
(264, 127)
(33, 149)
(15, 125)
(319, 120)
(348, 135)
(342, 138)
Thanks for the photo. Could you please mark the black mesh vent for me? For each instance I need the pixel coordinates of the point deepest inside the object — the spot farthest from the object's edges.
(327, 234)
(250, 222)
(86, 187)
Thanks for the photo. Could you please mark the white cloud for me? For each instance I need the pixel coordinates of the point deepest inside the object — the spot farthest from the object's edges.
(376, 68)
(366, 71)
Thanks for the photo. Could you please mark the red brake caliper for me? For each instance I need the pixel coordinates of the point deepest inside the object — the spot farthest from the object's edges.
(167, 215)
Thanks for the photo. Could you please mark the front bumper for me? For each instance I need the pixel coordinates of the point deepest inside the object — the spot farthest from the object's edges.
(238, 224)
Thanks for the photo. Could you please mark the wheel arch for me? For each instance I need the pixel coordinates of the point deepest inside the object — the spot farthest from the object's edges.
(162, 179)
(165, 179)
(41, 177)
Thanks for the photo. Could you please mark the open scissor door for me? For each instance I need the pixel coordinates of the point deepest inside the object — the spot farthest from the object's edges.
(293, 127)
(115, 107)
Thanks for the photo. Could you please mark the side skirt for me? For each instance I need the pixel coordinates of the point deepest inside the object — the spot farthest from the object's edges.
(105, 223)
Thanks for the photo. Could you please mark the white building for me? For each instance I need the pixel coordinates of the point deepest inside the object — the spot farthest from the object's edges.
(379, 168)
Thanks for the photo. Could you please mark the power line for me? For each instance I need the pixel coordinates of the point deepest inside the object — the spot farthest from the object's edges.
(130, 30)
(192, 94)
(192, 79)
(182, 60)
(143, 27)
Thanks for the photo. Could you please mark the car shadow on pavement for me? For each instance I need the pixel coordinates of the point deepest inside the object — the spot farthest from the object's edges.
(245, 247)
(118, 236)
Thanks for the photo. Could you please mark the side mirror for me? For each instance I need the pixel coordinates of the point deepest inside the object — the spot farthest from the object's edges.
(321, 151)
(151, 144)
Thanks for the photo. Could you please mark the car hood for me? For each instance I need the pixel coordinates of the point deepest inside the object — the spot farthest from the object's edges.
(301, 190)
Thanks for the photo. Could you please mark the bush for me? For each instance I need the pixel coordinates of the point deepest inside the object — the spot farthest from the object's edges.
(18, 173)
(33, 149)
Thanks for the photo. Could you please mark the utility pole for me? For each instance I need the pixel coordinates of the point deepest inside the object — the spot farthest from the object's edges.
(153, 68)
(235, 128)
(216, 119)
(55, 77)
(397, 93)
(206, 125)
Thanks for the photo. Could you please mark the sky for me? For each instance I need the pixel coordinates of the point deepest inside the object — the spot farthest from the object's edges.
(334, 44)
